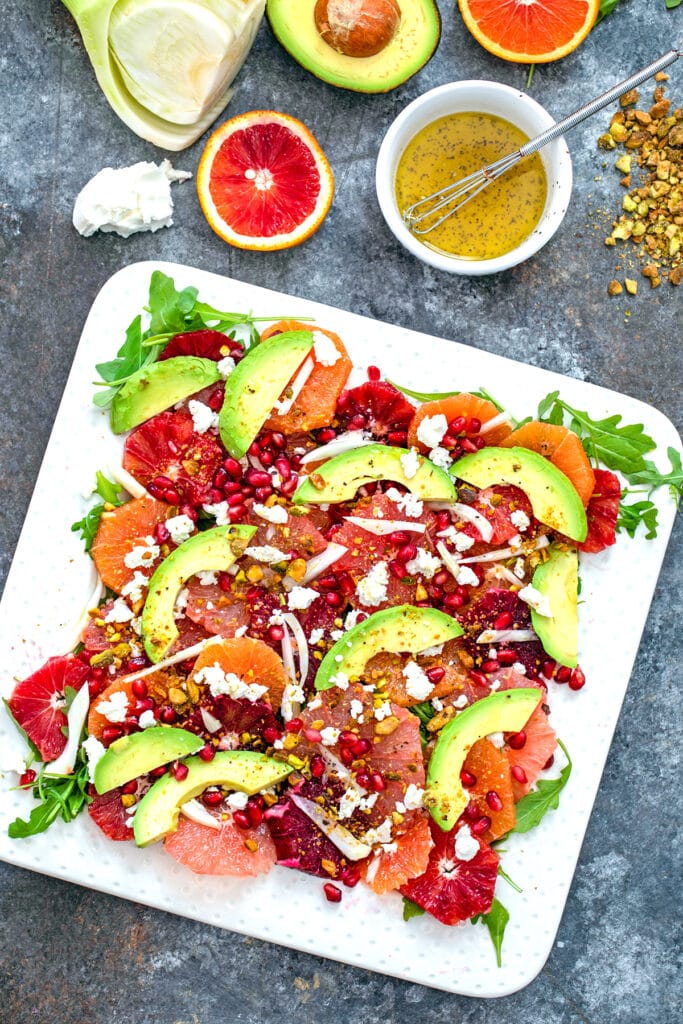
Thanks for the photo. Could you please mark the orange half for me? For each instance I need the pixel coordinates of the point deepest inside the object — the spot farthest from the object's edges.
(529, 31)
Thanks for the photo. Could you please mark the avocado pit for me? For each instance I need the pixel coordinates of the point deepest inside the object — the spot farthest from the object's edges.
(357, 28)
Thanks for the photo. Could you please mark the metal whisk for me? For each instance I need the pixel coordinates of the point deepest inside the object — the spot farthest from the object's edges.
(454, 197)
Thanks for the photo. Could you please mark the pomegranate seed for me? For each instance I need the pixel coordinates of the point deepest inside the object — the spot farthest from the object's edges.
(563, 674)
(215, 496)
(333, 599)
(549, 763)
(397, 569)
(435, 593)
(207, 753)
(346, 585)
(441, 578)
(332, 893)
(467, 779)
(214, 797)
(27, 777)
(263, 493)
(276, 633)
(478, 828)
(232, 468)
(478, 677)
(257, 478)
(167, 716)
(378, 783)
(111, 733)
(456, 425)
(448, 441)
(317, 767)
(398, 538)
(473, 425)
(358, 421)
(235, 499)
(503, 620)
(271, 733)
(278, 440)
(517, 740)
(146, 704)
(453, 601)
(347, 738)
(326, 435)
(225, 582)
(398, 437)
(374, 373)
(216, 400)
(162, 481)
(313, 735)
(435, 674)
(283, 467)
(468, 446)
(479, 442)
(236, 513)
(190, 511)
(172, 496)
(289, 486)
(130, 787)
(343, 401)
(491, 665)
(361, 747)
(231, 487)
(139, 688)
(577, 679)
(180, 771)
(507, 657)
(363, 778)
(294, 725)
(494, 801)
(406, 553)
(254, 814)
(462, 591)
(264, 440)
(161, 534)
(156, 773)
(346, 756)
(472, 812)
(254, 449)
(549, 667)
(267, 458)
(518, 773)
(350, 877)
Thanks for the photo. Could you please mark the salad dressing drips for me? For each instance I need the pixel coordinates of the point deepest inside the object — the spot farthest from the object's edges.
(498, 219)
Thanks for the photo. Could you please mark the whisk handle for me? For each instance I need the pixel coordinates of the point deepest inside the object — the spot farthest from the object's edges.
(597, 104)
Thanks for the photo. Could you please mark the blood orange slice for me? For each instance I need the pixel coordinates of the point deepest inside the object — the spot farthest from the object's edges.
(121, 530)
(207, 344)
(37, 703)
(314, 407)
(390, 871)
(378, 407)
(110, 815)
(209, 851)
(602, 512)
(264, 182)
(529, 31)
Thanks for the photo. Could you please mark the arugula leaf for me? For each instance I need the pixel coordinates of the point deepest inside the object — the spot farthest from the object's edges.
(423, 396)
(129, 359)
(671, 4)
(504, 875)
(424, 712)
(533, 807)
(61, 796)
(607, 6)
(606, 441)
(411, 909)
(652, 478)
(169, 309)
(89, 524)
(631, 517)
(496, 921)
(35, 753)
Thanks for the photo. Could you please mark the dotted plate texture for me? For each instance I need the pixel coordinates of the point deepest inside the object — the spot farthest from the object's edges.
(48, 588)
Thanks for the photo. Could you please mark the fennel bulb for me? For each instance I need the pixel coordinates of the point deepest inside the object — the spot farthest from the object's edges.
(166, 66)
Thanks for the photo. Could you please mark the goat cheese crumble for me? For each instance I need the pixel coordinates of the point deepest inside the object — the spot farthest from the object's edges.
(408, 503)
(372, 589)
(115, 708)
(410, 463)
(424, 564)
(432, 429)
(203, 417)
(301, 598)
(181, 528)
(324, 349)
(417, 681)
(466, 846)
(272, 514)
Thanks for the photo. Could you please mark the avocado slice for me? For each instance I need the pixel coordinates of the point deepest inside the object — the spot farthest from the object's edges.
(215, 549)
(558, 580)
(403, 628)
(244, 770)
(553, 496)
(142, 752)
(159, 386)
(505, 711)
(256, 383)
(413, 44)
(339, 478)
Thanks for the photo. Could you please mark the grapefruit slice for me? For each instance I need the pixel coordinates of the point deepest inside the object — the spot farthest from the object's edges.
(540, 745)
(251, 660)
(390, 871)
(464, 405)
(121, 530)
(37, 703)
(315, 405)
(264, 182)
(209, 851)
(564, 449)
(491, 769)
(529, 31)
(453, 890)
(602, 512)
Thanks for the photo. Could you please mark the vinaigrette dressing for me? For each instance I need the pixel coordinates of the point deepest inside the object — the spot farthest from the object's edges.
(498, 219)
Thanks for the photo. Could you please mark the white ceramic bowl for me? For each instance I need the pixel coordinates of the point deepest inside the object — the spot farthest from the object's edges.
(488, 98)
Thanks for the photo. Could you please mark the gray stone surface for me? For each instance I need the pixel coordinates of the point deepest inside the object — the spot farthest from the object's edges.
(71, 956)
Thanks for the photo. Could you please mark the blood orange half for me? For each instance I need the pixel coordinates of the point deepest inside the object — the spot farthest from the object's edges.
(37, 703)
(529, 31)
(264, 182)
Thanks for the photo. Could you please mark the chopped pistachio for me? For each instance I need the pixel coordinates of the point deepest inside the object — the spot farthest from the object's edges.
(623, 163)
(614, 288)
(631, 286)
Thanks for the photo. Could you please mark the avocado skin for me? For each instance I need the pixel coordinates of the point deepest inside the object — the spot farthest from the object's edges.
(142, 752)
(211, 549)
(341, 476)
(553, 497)
(404, 628)
(557, 579)
(411, 48)
(504, 711)
(256, 383)
(245, 770)
(157, 387)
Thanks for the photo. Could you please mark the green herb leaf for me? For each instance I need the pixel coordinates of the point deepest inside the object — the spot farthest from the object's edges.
(424, 712)
(423, 396)
(606, 441)
(671, 4)
(651, 478)
(31, 745)
(59, 796)
(606, 7)
(169, 309)
(632, 516)
(504, 875)
(533, 807)
(411, 909)
(89, 524)
(496, 921)
(530, 76)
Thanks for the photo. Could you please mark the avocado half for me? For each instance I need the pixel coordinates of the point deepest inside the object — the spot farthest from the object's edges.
(414, 43)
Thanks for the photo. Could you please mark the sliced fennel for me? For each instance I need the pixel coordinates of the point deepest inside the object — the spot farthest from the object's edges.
(166, 66)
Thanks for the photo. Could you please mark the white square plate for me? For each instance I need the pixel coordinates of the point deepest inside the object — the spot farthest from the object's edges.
(50, 581)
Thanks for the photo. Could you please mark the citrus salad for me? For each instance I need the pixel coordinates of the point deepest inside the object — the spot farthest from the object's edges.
(329, 618)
